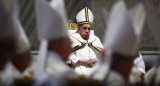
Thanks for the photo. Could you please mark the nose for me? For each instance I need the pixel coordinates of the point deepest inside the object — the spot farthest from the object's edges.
(87, 31)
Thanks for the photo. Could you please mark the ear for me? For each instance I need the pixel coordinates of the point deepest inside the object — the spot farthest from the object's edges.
(78, 29)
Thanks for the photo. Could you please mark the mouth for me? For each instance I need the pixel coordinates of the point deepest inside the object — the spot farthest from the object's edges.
(86, 37)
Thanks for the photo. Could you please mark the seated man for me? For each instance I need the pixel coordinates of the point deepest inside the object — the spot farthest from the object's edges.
(85, 46)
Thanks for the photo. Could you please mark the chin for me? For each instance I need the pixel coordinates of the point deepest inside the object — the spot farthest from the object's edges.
(85, 38)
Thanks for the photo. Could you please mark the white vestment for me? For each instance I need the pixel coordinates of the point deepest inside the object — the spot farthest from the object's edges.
(114, 79)
(137, 71)
(152, 77)
(57, 70)
(83, 49)
(11, 73)
(140, 63)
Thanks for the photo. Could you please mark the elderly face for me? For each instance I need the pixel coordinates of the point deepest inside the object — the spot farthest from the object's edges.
(84, 31)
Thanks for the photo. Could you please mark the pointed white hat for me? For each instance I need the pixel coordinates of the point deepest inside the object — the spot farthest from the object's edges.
(13, 27)
(137, 15)
(120, 35)
(22, 43)
(51, 19)
(84, 16)
(51, 24)
(9, 11)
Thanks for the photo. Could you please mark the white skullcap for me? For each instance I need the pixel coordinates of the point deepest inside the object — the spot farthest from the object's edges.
(120, 35)
(84, 16)
(51, 19)
(22, 43)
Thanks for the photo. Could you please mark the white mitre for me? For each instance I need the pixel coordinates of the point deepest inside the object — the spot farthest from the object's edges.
(51, 19)
(12, 8)
(22, 43)
(51, 24)
(9, 11)
(84, 16)
(138, 16)
(120, 35)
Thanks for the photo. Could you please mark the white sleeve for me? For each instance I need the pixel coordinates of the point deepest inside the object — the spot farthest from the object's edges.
(73, 59)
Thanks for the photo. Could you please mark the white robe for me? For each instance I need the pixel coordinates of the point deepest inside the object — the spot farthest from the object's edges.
(6, 75)
(11, 73)
(150, 76)
(140, 63)
(115, 79)
(57, 70)
(137, 71)
(85, 52)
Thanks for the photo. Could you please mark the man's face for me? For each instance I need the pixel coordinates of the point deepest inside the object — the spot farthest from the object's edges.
(84, 31)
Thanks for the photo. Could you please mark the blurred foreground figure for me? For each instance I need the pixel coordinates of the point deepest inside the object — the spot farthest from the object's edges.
(120, 41)
(22, 61)
(17, 68)
(86, 47)
(52, 31)
(138, 17)
(7, 41)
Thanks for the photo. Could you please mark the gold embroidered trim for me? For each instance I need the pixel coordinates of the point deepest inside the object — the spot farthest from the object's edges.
(84, 22)
(86, 14)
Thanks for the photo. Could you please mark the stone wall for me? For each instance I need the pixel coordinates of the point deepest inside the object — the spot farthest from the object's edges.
(100, 9)
(27, 18)
(147, 40)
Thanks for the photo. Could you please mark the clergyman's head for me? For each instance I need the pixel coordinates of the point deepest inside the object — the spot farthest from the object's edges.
(84, 20)
(84, 31)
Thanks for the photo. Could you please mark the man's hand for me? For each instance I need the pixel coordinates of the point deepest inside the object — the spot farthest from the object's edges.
(87, 62)
(94, 60)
